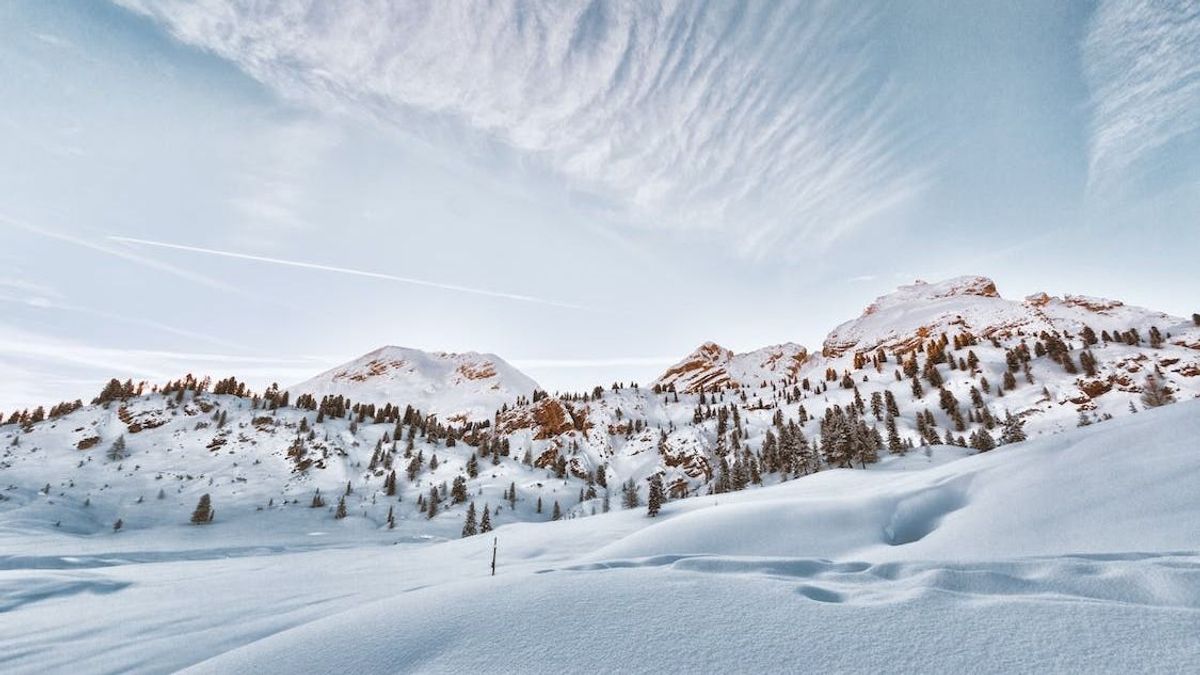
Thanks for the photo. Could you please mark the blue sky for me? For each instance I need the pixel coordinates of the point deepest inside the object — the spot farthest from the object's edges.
(588, 189)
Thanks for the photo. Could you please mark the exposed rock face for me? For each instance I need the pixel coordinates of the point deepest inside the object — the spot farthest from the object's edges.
(712, 366)
(546, 418)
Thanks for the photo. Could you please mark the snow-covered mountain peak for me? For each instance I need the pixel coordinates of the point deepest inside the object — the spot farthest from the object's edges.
(711, 365)
(465, 386)
(920, 292)
(901, 319)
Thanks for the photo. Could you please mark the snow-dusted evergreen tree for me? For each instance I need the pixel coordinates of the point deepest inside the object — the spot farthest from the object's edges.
(203, 513)
(1155, 393)
(469, 529)
(431, 507)
(485, 523)
(656, 496)
(116, 451)
(630, 498)
(341, 508)
(1014, 429)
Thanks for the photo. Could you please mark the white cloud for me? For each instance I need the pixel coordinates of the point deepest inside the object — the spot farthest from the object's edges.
(765, 121)
(1142, 61)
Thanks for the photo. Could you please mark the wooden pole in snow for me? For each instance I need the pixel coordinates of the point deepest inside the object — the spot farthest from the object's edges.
(495, 541)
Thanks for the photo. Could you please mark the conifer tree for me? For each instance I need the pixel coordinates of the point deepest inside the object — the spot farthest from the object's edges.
(895, 445)
(431, 508)
(341, 508)
(458, 492)
(485, 524)
(1014, 429)
(204, 511)
(656, 497)
(1155, 393)
(116, 451)
(557, 513)
(629, 497)
(469, 529)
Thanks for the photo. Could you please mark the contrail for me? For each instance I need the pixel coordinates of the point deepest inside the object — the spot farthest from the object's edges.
(126, 255)
(353, 272)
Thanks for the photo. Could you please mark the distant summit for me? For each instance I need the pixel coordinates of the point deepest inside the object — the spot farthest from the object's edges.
(456, 387)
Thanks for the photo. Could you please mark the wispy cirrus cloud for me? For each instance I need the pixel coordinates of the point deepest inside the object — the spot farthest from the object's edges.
(768, 122)
(1142, 62)
(36, 367)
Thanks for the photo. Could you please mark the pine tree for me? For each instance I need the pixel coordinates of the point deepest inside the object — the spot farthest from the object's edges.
(981, 440)
(485, 524)
(629, 495)
(116, 451)
(432, 506)
(204, 511)
(341, 508)
(391, 519)
(894, 444)
(557, 513)
(469, 529)
(655, 499)
(1155, 393)
(458, 492)
(1014, 429)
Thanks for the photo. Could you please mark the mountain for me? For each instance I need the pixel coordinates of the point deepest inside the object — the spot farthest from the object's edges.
(971, 304)
(456, 387)
(1071, 552)
(711, 366)
(950, 363)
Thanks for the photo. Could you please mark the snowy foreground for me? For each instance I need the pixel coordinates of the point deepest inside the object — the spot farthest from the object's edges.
(1078, 552)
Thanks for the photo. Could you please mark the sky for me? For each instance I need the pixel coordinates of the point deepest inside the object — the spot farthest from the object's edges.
(588, 189)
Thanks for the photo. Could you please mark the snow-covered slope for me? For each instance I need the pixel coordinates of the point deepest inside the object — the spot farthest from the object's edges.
(916, 361)
(711, 367)
(466, 386)
(1075, 552)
